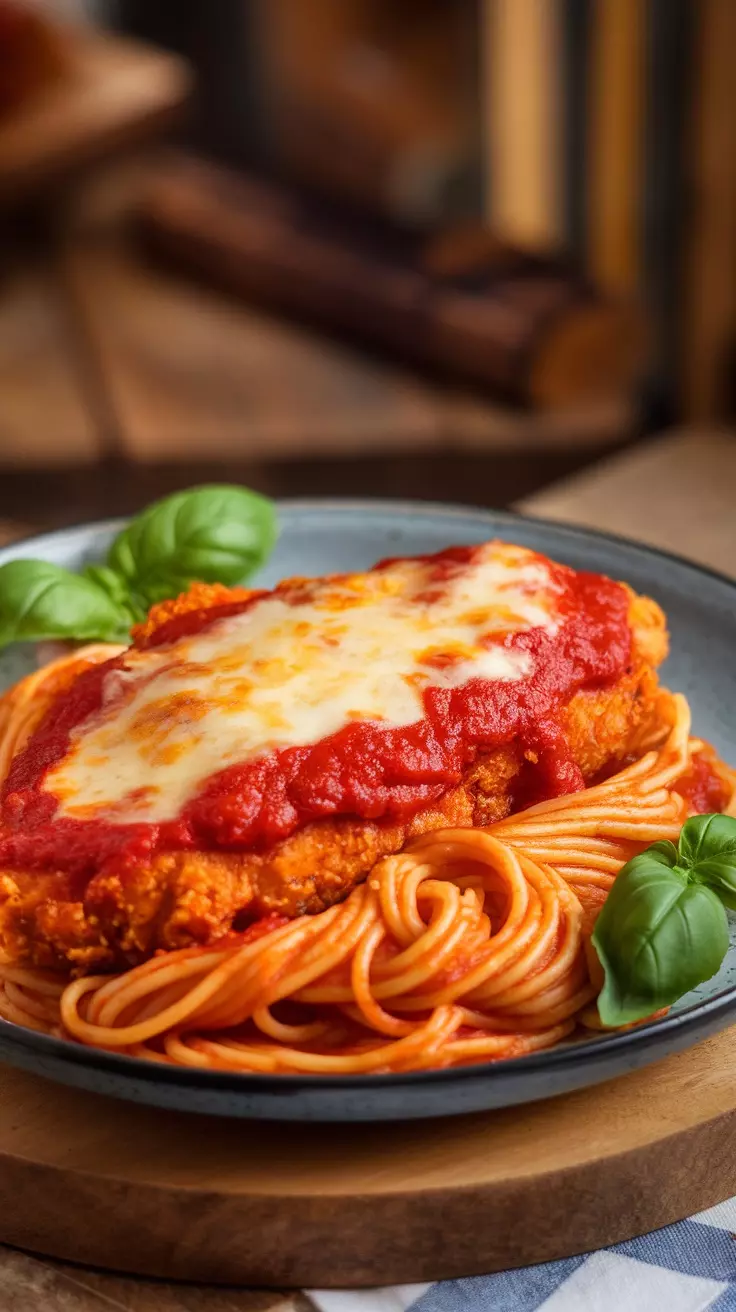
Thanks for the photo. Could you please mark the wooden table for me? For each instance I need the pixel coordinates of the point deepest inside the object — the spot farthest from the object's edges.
(120, 381)
(674, 493)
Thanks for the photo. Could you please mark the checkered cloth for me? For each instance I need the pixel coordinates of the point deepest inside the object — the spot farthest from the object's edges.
(684, 1268)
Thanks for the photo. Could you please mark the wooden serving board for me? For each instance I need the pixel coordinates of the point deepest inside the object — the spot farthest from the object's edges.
(178, 1196)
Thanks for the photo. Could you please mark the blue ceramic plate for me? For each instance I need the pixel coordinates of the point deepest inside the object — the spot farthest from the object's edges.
(319, 537)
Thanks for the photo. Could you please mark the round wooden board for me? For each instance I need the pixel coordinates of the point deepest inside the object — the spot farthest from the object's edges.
(158, 1193)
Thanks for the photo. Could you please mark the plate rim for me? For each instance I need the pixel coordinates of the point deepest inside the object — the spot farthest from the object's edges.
(602, 1046)
(385, 505)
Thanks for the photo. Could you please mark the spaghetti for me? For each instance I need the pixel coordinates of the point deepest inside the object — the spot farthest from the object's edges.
(588, 836)
(471, 945)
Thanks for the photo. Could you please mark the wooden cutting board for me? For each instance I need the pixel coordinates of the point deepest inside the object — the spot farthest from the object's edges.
(158, 1193)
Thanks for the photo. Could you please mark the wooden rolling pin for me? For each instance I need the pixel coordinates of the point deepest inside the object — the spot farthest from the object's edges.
(456, 301)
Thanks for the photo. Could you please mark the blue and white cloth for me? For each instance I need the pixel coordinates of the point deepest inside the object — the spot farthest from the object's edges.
(688, 1267)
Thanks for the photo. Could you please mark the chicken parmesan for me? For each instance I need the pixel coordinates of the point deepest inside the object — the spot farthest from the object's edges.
(373, 822)
(255, 754)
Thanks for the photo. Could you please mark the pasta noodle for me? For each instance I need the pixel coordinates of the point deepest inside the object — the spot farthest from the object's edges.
(464, 950)
(588, 836)
(471, 945)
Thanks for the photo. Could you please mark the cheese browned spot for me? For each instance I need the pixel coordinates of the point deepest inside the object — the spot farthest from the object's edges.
(182, 898)
(295, 667)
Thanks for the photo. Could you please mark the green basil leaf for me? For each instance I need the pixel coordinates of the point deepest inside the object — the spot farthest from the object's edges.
(212, 534)
(719, 873)
(657, 936)
(664, 852)
(706, 836)
(707, 850)
(39, 600)
(116, 589)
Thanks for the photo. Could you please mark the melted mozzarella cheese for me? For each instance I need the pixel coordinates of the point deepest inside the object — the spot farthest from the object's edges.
(293, 668)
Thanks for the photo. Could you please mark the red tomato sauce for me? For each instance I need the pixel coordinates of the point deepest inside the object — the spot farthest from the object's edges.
(704, 786)
(364, 770)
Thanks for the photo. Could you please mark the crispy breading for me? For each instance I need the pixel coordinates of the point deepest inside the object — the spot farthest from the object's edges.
(184, 898)
(200, 596)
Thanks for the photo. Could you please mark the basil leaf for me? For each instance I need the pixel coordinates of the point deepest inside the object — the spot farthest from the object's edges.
(212, 534)
(40, 600)
(116, 589)
(707, 851)
(657, 936)
(663, 852)
(719, 873)
(706, 836)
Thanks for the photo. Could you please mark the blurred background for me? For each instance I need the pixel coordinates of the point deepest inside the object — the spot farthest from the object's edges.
(451, 249)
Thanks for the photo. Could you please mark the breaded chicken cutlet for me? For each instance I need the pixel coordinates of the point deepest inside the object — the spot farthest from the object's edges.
(255, 754)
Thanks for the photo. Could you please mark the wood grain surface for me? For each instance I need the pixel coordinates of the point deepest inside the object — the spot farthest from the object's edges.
(190, 373)
(675, 492)
(100, 1182)
(102, 354)
(43, 405)
(33, 1284)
